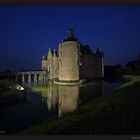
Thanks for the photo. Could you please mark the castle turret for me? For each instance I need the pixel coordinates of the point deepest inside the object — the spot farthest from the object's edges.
(43, 57)
(54, 53)
(102, 54)
(99, 63)
(70, 36)
(50, 52)
(98, 52)
(68, 58)
(50, 64)
(55, 65)
(44, 62)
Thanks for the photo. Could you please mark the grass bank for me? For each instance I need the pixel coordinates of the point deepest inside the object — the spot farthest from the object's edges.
(116, 113)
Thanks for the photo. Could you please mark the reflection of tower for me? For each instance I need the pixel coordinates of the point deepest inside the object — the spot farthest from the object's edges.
(49, 98)
(68, 98)
(55, 97)
(62, 99)
(52, 97)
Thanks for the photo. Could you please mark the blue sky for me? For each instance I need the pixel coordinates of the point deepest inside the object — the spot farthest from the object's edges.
(27, 31)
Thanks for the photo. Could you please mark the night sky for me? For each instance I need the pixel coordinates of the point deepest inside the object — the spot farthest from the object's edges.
(26, 32)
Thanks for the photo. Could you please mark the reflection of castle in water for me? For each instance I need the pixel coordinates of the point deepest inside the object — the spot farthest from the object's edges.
(67, 98)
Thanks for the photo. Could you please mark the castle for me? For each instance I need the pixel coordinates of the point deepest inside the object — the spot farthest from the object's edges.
(73, 61)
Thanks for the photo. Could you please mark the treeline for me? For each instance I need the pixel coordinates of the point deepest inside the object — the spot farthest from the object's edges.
(6, 75)
(131, 68)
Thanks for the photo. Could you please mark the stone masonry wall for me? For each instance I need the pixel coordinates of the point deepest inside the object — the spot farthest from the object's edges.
(55, 67)
(50, 65)
(68, 61)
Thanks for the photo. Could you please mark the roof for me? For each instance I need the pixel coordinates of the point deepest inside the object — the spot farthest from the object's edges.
(70, 36)
(85, 49)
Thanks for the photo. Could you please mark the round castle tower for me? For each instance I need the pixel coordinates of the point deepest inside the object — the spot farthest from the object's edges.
(68, 58)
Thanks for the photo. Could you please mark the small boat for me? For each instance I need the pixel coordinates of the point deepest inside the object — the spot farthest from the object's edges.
(19, 87)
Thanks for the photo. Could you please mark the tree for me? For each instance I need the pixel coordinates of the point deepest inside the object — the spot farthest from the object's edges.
(138, 56)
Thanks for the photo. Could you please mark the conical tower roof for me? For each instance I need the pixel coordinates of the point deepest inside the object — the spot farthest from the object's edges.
(70, 35)
(99, 52)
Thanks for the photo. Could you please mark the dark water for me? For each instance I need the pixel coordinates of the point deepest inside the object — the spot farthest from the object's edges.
(56, 101)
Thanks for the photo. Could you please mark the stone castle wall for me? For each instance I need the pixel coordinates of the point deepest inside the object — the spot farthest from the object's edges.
(99, 69)
(88, 67)
(50, 65)
(55, 67)
(44, 64)
(68, 61)
(70, 66)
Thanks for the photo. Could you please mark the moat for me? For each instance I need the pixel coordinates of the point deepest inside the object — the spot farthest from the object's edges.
(46, 101)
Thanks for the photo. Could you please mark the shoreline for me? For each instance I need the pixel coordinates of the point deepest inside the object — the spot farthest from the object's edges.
(105, 115)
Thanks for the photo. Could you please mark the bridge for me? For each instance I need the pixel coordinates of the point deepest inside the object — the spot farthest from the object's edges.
(35, 76)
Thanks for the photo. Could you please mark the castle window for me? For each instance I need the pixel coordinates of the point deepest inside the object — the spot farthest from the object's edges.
(60, 52)
(60, 62)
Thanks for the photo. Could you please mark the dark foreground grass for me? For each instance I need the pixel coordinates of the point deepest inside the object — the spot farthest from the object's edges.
(117, 113)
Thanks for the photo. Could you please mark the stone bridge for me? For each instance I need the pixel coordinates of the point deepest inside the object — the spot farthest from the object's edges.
(36, 76)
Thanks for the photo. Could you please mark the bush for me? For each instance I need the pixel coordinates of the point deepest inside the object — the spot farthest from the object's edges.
(6, 84)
